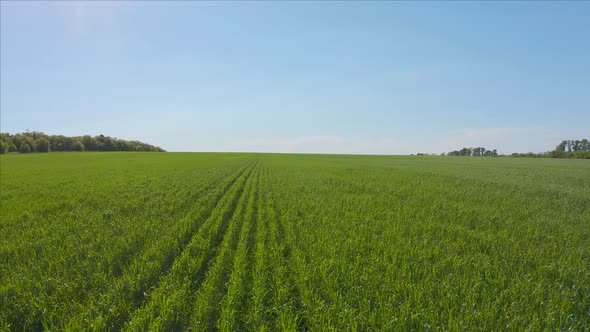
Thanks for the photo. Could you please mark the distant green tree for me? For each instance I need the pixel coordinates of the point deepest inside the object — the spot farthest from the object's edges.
(105, 143)
(25, 147)
(571, 149)
(474, 152)
(42, 144)
(90, 143)
(581, 154)
(34, 141)
(77, 146)
(25, 143)
(12, 147)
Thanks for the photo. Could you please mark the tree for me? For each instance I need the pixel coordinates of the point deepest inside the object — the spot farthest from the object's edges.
(479, 152)
(106, 143)
(77, 146)
(474, 152)
(465, 152)
(24, 142)
(12, 147)
(34, 141)
(571, 145)
(90, 143)
(24, 147)
(42, 145)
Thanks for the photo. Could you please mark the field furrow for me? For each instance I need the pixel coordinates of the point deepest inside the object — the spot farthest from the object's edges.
(98, 267)
(128, 292)
(256, 316)
(168, 306)
(214, 287)
(121, 260)
(233, 305)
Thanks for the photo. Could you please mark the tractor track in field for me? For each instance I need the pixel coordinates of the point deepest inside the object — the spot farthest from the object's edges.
(206, 214)
(124, 259)
(214, 253)
(211, 288)
(134, 299)
(250, 254)
(186, 237)
(218, 239)
(239, 285)
(207, 237)
(257, 297)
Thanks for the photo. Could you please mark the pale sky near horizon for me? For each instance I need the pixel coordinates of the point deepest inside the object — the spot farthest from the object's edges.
(316, 77)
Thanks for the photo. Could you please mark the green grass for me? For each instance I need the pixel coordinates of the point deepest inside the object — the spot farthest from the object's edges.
(138, 241)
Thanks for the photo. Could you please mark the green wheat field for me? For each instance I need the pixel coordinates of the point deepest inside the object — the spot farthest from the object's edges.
(268, 242)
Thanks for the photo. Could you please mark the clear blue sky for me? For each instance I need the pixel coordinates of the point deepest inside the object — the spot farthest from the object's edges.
(334, 77)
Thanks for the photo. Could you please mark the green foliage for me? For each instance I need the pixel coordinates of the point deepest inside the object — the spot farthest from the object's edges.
(578, 149)
(25, 147)
(40, 142)
(573, 146)
(474, 152)
(178, 241)
(12, 147)
(78, 146)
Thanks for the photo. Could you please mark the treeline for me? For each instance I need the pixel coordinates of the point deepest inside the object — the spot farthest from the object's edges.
(39, 142)
(579, 149)
(474, 152)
